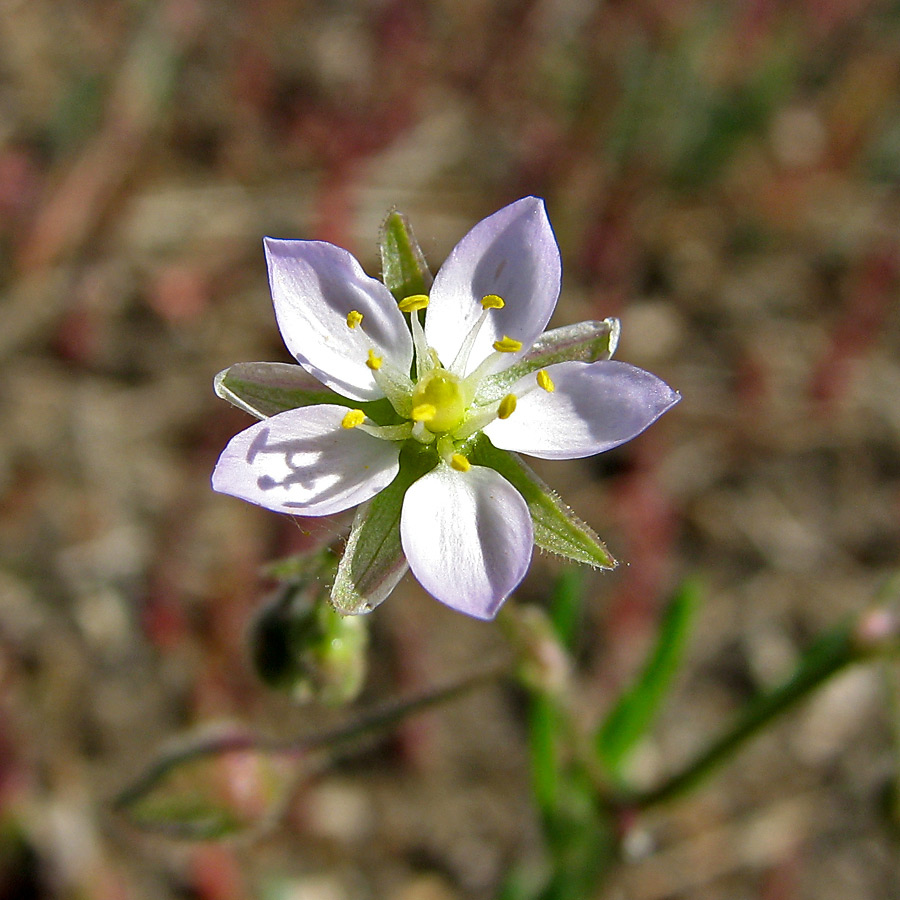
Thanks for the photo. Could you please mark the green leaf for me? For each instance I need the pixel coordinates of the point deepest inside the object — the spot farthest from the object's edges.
(211, 789)
(544, 736)
(556, 528)
(265, 389)
(373, 561)
(582, 342)
(403, 266)
(630, 718)
(566, 602)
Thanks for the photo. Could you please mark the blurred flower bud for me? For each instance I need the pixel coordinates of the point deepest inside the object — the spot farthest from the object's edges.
(878, 630)
(543, 663)
(301, 645)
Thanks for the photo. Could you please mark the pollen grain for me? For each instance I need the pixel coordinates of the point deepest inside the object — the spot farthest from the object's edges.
(413, 302)
(545, 381)
(507, 345)
(460, 463)
(353, 418)
(507, 406)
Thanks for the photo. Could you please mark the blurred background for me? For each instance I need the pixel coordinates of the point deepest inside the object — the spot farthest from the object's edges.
(721, 176)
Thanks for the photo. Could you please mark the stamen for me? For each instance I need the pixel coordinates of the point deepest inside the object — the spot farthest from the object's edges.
(507, 345)
(422, 434)
(473, 379)
(424, 412)
(395, 385)
(446, 449)
(480, 416)
(476, 420)
(388, 432)
(460, 463)
(413, 303)
(507, 406)
(545, 381)
(424, 362)
(374, 362)
(488, 302)
(353, 418)
(354, 317)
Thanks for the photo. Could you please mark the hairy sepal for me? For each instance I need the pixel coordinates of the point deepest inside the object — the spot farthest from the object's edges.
(265, 389)
(373, 561)
(583, 342)
(403, 267)
(556, 528)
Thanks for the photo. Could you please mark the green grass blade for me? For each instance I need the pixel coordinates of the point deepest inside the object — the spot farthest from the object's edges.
(630, 718)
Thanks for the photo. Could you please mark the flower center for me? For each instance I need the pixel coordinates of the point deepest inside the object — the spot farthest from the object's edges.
(438, 401)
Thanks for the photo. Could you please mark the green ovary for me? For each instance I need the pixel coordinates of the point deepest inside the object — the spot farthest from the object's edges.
(442, 390)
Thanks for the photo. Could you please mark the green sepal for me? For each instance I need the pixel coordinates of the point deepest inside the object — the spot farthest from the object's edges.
(265, 389)
(373, 560)
(583, 342)
(403, 267)
(556, 528)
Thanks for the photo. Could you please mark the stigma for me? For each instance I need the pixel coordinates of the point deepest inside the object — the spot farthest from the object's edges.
(440, 401)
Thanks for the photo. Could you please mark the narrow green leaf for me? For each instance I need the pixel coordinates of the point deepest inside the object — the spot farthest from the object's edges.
(194, 794)
(565, 605)
(865, 636)
(265, 389)
(543, 743)
(373, 561)
(556, 528)
(630, 718)
(582, 342)
(403, 266)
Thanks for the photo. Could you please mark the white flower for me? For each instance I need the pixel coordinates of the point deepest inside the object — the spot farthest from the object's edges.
(475, 367)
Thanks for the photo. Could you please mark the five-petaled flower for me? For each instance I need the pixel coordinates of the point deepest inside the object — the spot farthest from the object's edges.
(478, 365)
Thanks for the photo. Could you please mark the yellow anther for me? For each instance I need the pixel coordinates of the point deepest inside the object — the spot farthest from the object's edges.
(353, 418)
(374, 362)
(507, 345)
(460, 463)
(507, 406)
(424, 412)
(354, 317)
(413, 302)
(545, 381)
(492, 301)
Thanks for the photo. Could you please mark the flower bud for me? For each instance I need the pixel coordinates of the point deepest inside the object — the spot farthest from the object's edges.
(301, 645)
(543, 663)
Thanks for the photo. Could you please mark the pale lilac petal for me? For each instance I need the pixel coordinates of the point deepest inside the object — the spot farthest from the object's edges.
(314, 286)
(594, 407)
(303, 462)
(513, 254)
(468, 537)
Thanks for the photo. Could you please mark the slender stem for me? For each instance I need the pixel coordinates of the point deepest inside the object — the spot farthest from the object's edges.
(385, 716)
(834, 651)
(371, 721)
